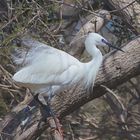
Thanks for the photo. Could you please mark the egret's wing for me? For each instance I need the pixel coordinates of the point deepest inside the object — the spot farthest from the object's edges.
(48, 65)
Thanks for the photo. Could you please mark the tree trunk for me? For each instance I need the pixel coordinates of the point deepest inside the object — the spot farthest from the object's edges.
(116, 69)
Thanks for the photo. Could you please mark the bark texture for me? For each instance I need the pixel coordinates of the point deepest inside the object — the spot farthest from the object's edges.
(128, 10)
(116, 69)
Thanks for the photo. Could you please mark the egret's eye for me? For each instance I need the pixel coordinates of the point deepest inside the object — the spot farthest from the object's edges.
(103, 40)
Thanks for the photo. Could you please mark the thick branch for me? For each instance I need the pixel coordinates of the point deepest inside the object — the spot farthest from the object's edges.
(116, 69)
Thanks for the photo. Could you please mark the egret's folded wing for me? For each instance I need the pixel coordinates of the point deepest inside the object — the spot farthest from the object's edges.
(46, 66)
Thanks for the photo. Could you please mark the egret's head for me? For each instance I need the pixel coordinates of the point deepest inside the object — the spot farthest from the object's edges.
(96, 39)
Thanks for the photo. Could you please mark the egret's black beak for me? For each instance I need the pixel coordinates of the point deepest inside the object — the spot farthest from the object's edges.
(111, 46)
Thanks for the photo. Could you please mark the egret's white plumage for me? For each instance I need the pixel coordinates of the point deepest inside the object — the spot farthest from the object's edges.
(48, 70)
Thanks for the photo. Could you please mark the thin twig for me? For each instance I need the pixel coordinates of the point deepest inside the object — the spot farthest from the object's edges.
(61, 14)
(7, 134)
(77, 7)
(117, 10)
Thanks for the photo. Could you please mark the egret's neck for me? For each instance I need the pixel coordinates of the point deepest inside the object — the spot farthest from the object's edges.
(92, 67)
(96, 57)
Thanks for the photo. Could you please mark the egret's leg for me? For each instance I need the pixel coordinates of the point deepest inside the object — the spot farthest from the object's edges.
(47, 111)
(45, 105)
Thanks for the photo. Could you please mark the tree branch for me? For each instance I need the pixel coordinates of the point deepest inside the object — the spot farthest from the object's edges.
(128, 10)
(116, 69)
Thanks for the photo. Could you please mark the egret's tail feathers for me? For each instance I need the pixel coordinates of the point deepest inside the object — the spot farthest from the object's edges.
(19, 56)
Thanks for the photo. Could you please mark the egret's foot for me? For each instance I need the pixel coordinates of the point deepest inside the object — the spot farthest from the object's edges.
(53, 121)
(51, 118)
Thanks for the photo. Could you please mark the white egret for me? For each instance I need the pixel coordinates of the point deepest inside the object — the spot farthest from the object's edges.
(48, 71)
